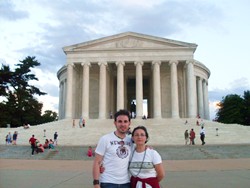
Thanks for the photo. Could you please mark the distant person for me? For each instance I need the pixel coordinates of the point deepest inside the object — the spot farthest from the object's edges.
(51, 144)
(133, 109)
(202, 135)
(186, 137)
(14, 138)
(9, 138)
(197, 123)
(26, 126)
(83, 122)
(55, 138)
(46, 144)
(192, 137)
(32, 142)
(90, 152)
(73, 123)
(80, 122)
(40, 149)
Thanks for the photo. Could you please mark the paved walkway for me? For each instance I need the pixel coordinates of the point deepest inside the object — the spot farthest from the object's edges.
(209, 166)
(221, 173)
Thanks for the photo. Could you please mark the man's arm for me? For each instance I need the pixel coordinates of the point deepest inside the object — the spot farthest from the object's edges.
(96, 168)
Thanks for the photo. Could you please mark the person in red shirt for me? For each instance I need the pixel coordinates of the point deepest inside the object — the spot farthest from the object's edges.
(90, 152)
(32, 142)
(192, 137)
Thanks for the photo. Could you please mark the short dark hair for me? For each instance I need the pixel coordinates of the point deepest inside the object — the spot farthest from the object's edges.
(144, 129)
(122, 112)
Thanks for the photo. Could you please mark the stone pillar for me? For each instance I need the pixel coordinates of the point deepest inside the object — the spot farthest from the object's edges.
(120, 84)
(205, 99)
(191, 96)
(174, 90)
(85, 90)
(102, 90)
(200, 98)
(139, 89)
(69, 100)
(64, 98)
(156, 89)
(60, 100)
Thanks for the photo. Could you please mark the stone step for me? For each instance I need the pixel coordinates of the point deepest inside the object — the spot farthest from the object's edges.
(161, 132)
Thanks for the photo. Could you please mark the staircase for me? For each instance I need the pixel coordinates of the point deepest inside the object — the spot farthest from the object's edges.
(161, 132)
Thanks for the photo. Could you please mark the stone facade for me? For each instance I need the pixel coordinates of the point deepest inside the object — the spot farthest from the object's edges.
(107, 74)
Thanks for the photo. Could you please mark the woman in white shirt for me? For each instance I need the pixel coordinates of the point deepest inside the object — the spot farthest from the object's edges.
(145, 164)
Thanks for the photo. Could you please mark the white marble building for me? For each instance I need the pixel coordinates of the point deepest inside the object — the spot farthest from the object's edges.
(107, 74)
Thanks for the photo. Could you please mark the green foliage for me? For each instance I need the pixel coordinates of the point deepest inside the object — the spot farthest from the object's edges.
(49, 116)
(234, 109)
(20, 105)
(247, 107)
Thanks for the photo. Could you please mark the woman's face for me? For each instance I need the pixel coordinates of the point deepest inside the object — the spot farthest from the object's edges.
(139, 137)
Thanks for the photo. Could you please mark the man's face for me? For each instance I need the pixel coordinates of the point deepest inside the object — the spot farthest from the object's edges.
(122, 123)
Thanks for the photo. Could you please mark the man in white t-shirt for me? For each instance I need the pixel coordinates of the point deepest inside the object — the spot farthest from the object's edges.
(113, 152)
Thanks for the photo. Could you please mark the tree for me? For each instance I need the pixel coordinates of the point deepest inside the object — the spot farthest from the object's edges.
(49, 116)
(246, 97)
(234, 109)
(19, 104)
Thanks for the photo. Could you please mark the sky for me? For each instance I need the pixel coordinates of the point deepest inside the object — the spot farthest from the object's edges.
(220, 28)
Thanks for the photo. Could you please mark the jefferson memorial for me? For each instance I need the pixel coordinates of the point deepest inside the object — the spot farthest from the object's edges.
(104, 75)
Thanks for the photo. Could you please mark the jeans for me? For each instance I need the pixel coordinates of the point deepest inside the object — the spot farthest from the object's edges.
(111, 185)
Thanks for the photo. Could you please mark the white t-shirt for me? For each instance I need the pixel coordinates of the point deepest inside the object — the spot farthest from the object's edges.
(152, 158)
(116, 153)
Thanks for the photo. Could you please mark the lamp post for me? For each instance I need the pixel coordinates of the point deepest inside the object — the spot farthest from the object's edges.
(44, 131)
(217, 134)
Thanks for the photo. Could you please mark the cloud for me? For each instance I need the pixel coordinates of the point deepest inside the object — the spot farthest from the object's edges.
(8, 11)
(216, 95)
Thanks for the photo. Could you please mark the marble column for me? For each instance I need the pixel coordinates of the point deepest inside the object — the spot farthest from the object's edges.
(102, 90)
(191, 96)
(60, 100)
(205, 99)
(120, 84)
(85, 90)
(156, 89)
(200, 98)
(174, 90)
(139, 89)
(69, 100)
(64, 98)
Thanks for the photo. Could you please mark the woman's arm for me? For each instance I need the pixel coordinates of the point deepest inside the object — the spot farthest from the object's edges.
(160, 171)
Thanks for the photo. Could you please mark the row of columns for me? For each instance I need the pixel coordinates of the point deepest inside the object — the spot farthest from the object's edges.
(191, 103)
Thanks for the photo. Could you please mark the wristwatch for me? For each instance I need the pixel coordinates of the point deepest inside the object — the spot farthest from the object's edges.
(96, 182)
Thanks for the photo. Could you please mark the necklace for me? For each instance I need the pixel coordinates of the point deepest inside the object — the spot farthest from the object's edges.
(118, 136)
(141, 162)
(121, 142)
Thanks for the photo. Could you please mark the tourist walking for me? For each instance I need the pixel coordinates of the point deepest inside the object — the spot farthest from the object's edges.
(32, 142)
(113, 152)
(80, 122)
(192, 137)
(9, 138)
(145, 165)
(55, 138)
(186, 137)
(14, 138)
(202, 135)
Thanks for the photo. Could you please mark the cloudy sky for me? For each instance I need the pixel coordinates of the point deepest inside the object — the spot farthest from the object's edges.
(41, 28)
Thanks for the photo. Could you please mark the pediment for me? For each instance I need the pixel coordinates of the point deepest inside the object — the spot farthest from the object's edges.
(129, 40)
